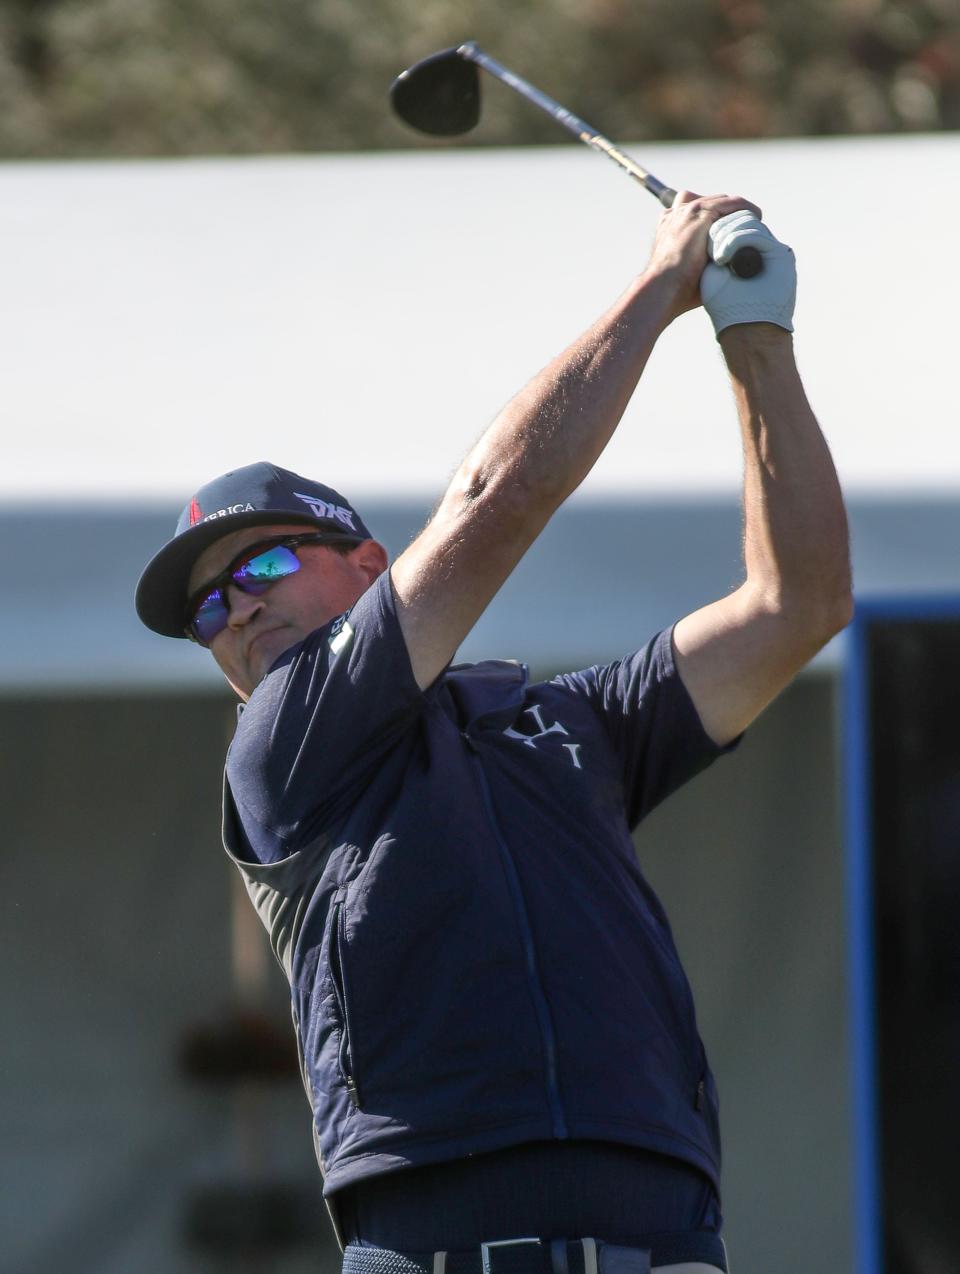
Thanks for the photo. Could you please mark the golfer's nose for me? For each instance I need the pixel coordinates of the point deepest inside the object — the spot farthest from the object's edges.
(242, 607)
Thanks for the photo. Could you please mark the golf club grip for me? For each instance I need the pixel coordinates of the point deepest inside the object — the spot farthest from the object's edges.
(747, 263)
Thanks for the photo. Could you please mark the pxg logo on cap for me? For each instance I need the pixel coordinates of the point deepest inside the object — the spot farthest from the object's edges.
(323, 509)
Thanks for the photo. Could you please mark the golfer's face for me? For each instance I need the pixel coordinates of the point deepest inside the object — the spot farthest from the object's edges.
(260, 627)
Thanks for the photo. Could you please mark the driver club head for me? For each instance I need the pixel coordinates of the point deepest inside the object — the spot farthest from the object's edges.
(439, 95)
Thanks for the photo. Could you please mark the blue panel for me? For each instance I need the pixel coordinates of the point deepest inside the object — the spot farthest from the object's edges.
(858, 818)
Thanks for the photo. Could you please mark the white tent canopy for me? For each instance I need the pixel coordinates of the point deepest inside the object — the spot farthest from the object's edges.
(361, 318)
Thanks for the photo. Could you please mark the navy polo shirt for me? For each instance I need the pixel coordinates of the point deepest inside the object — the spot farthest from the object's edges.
(449, 881)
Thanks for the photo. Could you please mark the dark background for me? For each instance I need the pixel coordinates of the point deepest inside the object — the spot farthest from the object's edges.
(915, 707)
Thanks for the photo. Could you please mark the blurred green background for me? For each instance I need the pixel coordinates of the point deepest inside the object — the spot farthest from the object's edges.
(98, 78)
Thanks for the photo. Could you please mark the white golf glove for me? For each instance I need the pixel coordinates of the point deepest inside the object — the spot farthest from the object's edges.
(768, 297)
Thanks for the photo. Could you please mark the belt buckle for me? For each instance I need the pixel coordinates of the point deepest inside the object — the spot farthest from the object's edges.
(485, 1250)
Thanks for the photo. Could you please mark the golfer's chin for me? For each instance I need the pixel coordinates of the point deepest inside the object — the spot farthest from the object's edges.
(262, 653)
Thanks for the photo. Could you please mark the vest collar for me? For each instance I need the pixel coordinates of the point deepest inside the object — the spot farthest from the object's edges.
(494, 688)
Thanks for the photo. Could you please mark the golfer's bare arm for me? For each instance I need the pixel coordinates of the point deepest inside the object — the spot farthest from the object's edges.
(529, 460)
(540, 447)
(736, 654)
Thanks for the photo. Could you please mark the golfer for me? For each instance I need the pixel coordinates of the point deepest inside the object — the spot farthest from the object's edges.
(497, 1039)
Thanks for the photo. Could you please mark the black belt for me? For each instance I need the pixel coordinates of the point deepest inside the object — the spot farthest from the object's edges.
(546, 1256)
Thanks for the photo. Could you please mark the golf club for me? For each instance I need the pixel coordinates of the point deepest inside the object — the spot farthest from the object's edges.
(441, 95)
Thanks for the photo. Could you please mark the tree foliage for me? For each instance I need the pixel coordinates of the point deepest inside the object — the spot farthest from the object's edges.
(177, 77)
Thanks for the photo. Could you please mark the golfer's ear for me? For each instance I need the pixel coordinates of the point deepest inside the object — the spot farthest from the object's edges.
(371, 558)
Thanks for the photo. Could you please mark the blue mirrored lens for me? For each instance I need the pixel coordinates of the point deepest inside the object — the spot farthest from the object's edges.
(209, 618)
(262, 570)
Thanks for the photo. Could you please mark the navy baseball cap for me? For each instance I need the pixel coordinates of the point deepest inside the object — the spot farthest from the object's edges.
(256, 495)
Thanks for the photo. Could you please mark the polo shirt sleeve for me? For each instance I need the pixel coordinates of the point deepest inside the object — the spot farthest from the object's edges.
(651, 721)
(318, 725)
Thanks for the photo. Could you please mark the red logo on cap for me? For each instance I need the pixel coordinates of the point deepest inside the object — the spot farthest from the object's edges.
(196, 513)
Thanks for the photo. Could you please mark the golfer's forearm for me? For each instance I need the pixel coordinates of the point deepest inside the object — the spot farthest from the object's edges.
(548, 437)
(796, 549)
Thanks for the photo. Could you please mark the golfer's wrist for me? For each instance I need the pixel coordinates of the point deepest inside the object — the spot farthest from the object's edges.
(757, 351)
(762, 337)
(666, 292)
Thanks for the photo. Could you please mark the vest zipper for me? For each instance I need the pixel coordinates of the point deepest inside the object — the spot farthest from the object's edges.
(335, 956)
(539, 995)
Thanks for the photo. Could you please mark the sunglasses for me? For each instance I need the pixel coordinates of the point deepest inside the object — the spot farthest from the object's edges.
(252, 571)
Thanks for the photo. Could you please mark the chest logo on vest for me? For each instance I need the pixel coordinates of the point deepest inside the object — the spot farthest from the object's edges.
(530, 740)
(341, 635)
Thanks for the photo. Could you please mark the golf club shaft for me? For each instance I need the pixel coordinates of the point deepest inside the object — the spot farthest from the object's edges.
(746, 262)
(572, 123)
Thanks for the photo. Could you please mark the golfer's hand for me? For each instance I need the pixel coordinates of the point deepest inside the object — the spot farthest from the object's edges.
(769, 297)
(681, 245)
